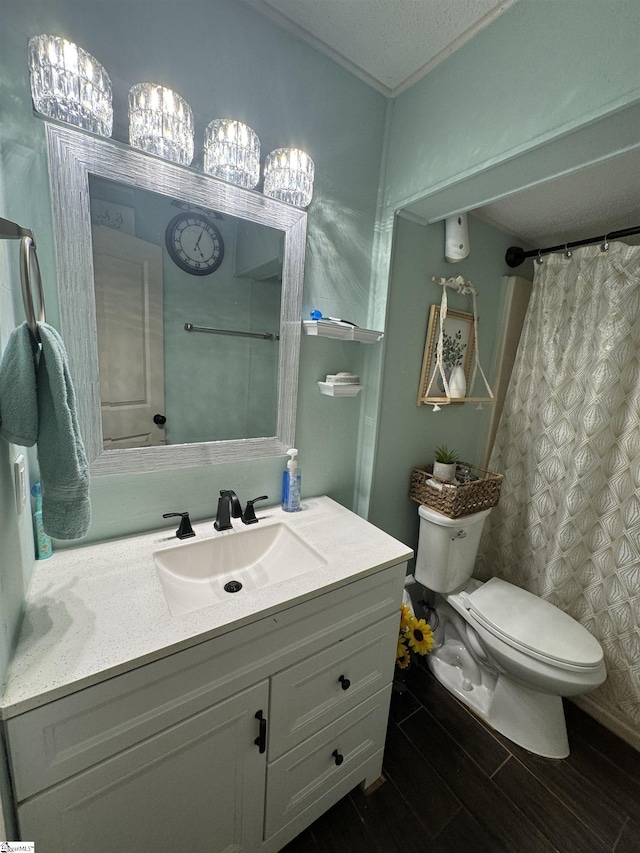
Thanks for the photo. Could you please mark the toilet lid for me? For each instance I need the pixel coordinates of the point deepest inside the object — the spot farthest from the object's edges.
(537, 625)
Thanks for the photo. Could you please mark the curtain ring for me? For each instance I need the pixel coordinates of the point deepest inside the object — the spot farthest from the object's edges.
(539, 258)
(605, 245)
(567, 251)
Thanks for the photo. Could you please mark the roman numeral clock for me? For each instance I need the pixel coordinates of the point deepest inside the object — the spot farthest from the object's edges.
(194, 243)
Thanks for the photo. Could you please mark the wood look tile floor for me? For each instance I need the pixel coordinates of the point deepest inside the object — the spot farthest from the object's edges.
(453, 785)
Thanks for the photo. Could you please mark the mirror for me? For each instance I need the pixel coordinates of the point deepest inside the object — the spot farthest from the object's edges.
(188, 318)
(104, 192)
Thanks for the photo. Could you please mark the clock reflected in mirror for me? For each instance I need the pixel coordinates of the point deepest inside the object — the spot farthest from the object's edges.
(194, 243)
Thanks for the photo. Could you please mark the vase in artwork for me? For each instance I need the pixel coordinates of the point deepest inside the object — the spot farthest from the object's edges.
(457, 382)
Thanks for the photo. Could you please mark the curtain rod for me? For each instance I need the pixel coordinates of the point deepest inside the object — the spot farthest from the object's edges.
(515, 255)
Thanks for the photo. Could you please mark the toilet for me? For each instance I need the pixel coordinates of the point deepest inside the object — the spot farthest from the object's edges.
(507, 654)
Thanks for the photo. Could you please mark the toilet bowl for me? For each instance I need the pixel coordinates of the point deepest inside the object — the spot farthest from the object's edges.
(504, 652)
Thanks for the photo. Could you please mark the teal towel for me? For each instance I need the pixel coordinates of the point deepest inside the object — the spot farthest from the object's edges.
(64, 472)
(37, 404)
(18, 402)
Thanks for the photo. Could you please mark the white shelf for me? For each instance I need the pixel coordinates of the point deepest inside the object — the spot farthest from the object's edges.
(448, 401)
(339, 389)
(340, 331)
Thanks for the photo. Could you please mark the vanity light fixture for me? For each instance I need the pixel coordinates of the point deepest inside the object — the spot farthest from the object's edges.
(161, 122)
(288, 176)
(232, 152)
(68, 84)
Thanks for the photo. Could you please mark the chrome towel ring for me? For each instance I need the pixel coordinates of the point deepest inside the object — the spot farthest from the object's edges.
(28, 265)
(29, 270)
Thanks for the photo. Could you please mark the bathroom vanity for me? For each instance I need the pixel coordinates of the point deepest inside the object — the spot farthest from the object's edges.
(231, 727)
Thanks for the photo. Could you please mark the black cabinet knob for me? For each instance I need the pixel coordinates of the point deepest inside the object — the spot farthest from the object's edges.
(337, 757)
(159, 419)
(346, 684)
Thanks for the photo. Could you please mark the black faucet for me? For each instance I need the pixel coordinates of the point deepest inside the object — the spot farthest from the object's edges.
(228, 507)
(185, 530)
(249, 515)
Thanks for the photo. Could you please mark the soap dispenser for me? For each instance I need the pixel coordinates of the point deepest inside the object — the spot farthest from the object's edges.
(291, 481)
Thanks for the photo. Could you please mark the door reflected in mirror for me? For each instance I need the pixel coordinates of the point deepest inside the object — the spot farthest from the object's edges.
(188, 304)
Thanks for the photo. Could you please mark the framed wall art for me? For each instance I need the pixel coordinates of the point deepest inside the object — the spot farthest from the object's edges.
(458, 350)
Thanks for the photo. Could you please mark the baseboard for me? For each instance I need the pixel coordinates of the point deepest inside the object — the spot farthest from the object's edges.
(622, 730)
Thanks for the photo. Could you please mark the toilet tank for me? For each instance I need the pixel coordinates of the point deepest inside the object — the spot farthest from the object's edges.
(447, 549)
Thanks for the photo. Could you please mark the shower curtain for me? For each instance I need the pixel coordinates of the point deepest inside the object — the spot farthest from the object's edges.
(567, 526)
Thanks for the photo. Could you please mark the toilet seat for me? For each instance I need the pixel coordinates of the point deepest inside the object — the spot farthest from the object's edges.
(532, 625)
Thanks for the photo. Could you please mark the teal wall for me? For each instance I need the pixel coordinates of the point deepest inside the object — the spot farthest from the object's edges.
(547, 89)
(539, 73)
(236, 63)
(408, 433)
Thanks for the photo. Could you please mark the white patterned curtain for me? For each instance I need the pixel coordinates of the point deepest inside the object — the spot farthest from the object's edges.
(567, 527)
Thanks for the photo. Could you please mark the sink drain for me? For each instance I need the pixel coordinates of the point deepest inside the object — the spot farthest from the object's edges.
(233, 586)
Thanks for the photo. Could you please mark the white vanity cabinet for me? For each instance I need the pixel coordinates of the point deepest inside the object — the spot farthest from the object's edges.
(198, 785)
(233, 744)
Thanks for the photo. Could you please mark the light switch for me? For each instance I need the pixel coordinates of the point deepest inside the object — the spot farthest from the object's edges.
(20, 475)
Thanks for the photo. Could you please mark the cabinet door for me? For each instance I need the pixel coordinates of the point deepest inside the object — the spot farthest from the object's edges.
(198, 786)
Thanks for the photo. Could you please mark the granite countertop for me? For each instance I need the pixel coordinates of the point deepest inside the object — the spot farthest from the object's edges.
(97, 611)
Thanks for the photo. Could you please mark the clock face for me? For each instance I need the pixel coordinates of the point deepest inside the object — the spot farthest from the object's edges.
(194, 243)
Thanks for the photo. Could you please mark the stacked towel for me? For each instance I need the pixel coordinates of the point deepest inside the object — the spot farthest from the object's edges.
(37, 399)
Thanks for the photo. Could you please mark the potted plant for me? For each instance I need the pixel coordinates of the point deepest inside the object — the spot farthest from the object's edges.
(444, 464)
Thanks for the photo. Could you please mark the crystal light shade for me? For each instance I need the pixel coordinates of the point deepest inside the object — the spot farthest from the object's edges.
(161, 122)
(288, 175)
(232, 152)
(70, 85)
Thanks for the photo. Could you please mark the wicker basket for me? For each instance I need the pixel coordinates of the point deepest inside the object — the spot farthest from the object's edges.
(455, 499)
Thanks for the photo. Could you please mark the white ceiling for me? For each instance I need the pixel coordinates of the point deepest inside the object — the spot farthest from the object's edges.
(387, 43)
(594, 201)
(390, 44)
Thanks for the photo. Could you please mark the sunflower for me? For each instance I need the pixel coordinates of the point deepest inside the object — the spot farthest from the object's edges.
(420, 636)
(403, 658)
(405, 616)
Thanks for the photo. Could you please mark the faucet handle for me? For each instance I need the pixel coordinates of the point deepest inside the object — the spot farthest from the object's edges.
(249, 515)
(185, 530)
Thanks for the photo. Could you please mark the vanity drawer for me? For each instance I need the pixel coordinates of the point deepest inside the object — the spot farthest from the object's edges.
(304, 776)
(48, 744)
(321, 688)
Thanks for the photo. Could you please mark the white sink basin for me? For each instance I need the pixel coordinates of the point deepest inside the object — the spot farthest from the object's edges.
(194, 574)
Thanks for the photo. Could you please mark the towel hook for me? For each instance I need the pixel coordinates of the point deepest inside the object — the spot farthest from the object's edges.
(28, 264)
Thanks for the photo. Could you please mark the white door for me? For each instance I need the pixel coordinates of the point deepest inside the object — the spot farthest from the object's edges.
(128, 286)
